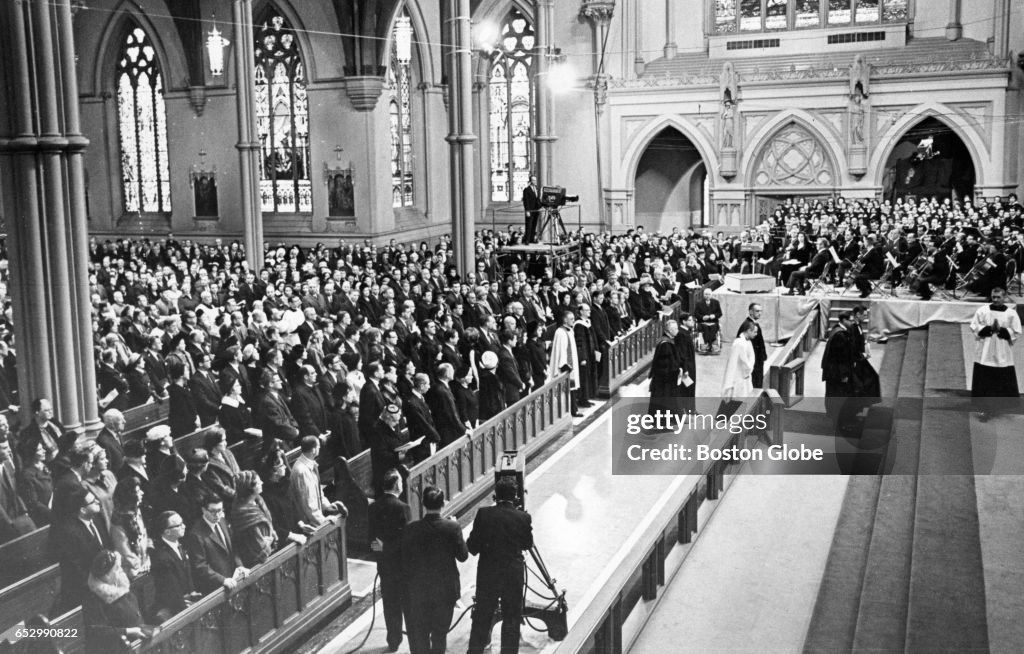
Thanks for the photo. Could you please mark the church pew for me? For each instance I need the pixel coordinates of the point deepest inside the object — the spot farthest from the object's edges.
(353, 484)
(140, 419)
(23, 556)
(32, 595)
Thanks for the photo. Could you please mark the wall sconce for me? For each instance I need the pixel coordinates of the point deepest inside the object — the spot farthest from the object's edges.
(215, 47)
(403, 39)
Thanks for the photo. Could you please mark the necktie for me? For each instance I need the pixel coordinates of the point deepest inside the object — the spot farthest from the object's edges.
(96, 533)
(220, 536)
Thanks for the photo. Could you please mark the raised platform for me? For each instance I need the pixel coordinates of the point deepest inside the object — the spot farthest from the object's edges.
(783, 313)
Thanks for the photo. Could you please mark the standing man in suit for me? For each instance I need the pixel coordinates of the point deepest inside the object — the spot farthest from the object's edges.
(109, 438)
(371, 400)
(500, 535)
(14, 517)
(442, 407)
(532, 207)
(183, 416)
(273, 415)
(387, 517)
(760, 351)
(687, 362)
(205, 391)
(308, 406)
(430, 549)
(171, 566)
(512, 384)
(75, 540)
(419, 418)
(214, 564)
(837, 373)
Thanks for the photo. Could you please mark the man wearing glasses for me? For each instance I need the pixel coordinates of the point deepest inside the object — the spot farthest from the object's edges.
(172, 567)
(214, 563)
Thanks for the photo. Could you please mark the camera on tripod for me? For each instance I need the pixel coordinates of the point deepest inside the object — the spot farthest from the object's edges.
(553, 197)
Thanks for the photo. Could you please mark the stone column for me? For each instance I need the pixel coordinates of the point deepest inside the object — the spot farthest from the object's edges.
(460, 134)
(599, 13)
(954, 29)
(47, 227)
(1001, 28)
(248, 145)
(670, 29)
(542, 94)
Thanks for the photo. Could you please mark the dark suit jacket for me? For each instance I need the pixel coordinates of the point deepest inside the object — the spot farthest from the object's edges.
(309, 411)
(111, 444)
(227, 378)
(491, 396)
(74, 547)
(531, 202)
(446, 416)
(387, 517)
(371, 404)
(509, 376)
(183, 411)
(430, 548)
(212, 561)
(466, 403)
(207, 395)
(837, 362)
(419, 420)
(275, 418)
(500, 535)
(172, 576)
(816, 268)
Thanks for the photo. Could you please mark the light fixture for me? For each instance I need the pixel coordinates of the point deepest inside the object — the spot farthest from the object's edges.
(215, 47)
(403, 39)
(486, 36)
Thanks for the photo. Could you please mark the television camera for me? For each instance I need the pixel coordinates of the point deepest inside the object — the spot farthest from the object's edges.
(553, 609)
(553, 197)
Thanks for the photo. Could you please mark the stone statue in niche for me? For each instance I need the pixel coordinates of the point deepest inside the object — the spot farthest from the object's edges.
(860, 74)
(857, 120)
(204, 188)
(729, 92)
(340, 194)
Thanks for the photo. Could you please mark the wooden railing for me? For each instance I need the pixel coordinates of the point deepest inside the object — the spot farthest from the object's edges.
(786, 367)
(464, 469)
(630, 354)
(642, 573)
(280, 599)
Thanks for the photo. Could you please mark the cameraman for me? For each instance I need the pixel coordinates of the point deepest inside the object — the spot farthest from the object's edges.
(532, 207)
(500, 535)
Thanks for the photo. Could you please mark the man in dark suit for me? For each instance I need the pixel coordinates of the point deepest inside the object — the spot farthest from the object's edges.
(430, 549)
(273, 415)
(183, 416)
(109, 438)
(74, 542)
(371, 399)
(43, 428)
(68, 482)
(171, 566)
(214, 564)
(508, 373)
(387, 517)
(837, 373)
(813, 270)
(205, 391)
(873, 268)
(760, 351)
(419, 418)
(500, 535)
(533, 208)
(308, 406)
(687, 362)
(442, 407)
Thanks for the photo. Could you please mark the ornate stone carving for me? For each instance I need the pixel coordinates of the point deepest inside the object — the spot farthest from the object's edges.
(364, 91)
(794, 157)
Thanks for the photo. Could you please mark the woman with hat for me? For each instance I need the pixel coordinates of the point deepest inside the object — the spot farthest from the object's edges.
(140, 389)
(110, 610)
(235, 416)
(492, 401)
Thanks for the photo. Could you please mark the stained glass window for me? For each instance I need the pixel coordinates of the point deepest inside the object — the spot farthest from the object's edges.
(142, 118)
(511, 118)
(807, 13)
(775, 14)
(725, 16)
(400, 120)
(282, 118)
(750, 15)
(839, 12)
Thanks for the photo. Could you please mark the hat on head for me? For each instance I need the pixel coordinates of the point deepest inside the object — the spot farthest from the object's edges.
(103, 563)
(158, 433)
(245, 481)
(489, 360)
(134, 449)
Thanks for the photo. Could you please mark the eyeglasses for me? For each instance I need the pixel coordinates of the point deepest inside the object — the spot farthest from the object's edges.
(180, 524)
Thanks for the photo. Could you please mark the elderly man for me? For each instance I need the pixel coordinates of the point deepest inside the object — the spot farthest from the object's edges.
(565, 357)
(109, 438)
(707, 313)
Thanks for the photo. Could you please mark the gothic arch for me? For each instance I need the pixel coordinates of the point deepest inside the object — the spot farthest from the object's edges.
(169, 51)
(306, 50)
(630, 158)
(761, 138)
(888, 140)
(422, 40)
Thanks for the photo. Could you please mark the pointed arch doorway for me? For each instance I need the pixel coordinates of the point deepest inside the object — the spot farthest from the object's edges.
(671, 184)
(930, 160)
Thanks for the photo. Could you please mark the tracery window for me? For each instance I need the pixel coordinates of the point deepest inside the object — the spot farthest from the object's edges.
(511, 118)
(142, 118)
(731, 16)
(282, 118)
(794, 157)
(400, 116)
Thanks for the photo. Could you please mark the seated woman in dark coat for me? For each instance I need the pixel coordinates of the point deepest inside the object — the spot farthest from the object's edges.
(35, 485)
(111, 611)
(252, 525)
(234, 415)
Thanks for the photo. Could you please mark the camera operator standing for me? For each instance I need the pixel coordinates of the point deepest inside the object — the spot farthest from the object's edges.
(500, 535)
(532, 207)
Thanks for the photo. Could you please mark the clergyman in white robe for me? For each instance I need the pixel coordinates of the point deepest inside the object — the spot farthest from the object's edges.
(737, 383)
(563, 353)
